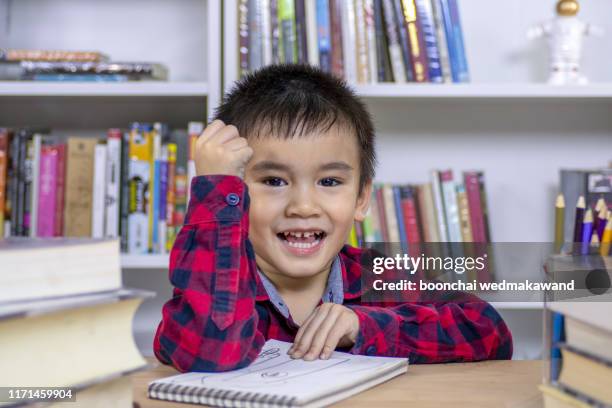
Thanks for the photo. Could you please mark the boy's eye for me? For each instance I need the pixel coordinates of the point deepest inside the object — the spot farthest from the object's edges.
(274, 181)
(329, 182)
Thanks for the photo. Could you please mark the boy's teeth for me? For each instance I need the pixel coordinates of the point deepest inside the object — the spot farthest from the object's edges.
(303, 245)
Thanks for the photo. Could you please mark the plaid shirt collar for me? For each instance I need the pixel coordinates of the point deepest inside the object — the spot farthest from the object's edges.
(344, 282)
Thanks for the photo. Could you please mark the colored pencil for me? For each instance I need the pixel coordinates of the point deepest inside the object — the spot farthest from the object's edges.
(598, 205)
(559, 220)
(604, 248)
(587, 231)
(580, 208)
(602, 221)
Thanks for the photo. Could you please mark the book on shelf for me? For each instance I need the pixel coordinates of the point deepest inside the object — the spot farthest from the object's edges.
(18, 55)
(363, 41)
(276, 380)
(130, 184)
(578, 343)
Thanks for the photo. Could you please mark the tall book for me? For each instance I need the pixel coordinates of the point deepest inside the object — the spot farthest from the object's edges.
(324, 35)
(390, 213)
(349, 50)
(60, 190)
(361, 43)
(161, 225)
(35, 183)
(464, 214)
(418, 58)
(428, 213)
(410, 214)
(124, 205)
(371, 223)
(335, 21)
(171, 197)
(154, 188)
(47, 200)
(454, 39)
(426, 23)
(255, 24)
(451, 211)
(399, 216)
(243, 36)
(472, 187)
(266, 34)
(274, 32)
(380, 205)
(384, 71)
(401, 69)
(287, 35)
(79, 193)
(301, 39)
(141, 150)
(441, 40)
(4, 150)
(311, 11)
(440, 212)
(99, 192)
(113, 182)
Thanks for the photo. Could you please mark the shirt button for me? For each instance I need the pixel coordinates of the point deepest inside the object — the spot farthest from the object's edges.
(232, 199)
(370, 351)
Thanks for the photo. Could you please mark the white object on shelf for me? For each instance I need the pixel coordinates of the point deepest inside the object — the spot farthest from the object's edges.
(152, 261)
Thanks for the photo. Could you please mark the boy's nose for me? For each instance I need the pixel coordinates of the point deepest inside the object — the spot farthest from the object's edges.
(303, 203)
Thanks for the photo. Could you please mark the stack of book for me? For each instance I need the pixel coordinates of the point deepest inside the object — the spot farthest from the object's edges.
(363, 41)
(90, 66)
(440, 211)
(132, 184)
(580, 344)
(66, 321)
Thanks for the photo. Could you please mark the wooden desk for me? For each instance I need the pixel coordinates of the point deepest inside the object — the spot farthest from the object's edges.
(471, 385)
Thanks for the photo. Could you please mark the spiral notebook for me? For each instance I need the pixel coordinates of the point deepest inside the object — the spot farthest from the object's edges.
(276, 380)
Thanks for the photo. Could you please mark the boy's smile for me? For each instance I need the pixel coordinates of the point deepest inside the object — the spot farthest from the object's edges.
(304, 199)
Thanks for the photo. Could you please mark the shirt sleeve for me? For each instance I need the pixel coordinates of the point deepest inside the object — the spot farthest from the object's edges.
(210, 323)
(470, 330)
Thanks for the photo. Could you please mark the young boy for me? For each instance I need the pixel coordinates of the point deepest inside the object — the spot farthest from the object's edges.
(282, 174)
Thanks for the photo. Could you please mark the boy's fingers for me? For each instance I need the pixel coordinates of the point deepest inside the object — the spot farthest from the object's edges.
(320, 337)
(236, 144)
(300, 332)
(223, 135)
(211, 129)
(303, 345)
(333, 338)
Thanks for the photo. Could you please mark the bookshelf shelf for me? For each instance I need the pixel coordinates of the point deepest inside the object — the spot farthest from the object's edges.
(484, 91)
(85, 89)
(159, 261)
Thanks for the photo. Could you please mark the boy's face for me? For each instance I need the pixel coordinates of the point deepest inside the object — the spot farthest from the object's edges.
(304, 198)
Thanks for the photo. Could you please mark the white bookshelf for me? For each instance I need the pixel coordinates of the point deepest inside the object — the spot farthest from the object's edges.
(87, 90)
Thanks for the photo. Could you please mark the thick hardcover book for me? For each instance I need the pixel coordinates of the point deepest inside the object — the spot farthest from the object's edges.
(335, 21)
(454, 39)
(401, 70)
(15, 55)
(301, 38)
(243, 36)
(361, 43)
(428, 32)
(141, 150)
(113, 182)
(4, 150)
(276, 380)
(99, 192)
(418, 58)
(60, 195)
(324, 35)
(287, 35)
(383, 64)
(255, 24)
(79, 177)
(47, 199)
(410, 214)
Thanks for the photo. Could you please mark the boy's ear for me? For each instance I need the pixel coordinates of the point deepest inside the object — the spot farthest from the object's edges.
(363, 202)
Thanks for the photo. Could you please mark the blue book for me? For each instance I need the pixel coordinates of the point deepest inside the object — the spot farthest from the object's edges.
(79, 77)
(454, 39)
(397, 199)
(323, 35)
(428, 30)
(557, 336)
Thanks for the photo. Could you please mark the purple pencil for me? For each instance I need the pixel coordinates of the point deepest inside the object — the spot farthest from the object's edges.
(580, 208)
(587, 231)
(602, 220)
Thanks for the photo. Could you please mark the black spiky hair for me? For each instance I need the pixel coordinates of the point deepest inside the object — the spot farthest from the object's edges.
(294, 100)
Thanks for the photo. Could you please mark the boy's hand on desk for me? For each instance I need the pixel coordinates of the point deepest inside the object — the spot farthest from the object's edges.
(221, 150)
(330, 325)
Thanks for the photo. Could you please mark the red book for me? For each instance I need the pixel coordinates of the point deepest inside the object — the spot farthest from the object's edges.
(47, 191)
(472, 188)
(4, 146)
(409, 211)
(60, 186)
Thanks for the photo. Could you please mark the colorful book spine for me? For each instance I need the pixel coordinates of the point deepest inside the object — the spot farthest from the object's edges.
(371, 223)
(370, 28)
(255, 24)
(323, 35)
(113, 183)
(311, 32)
(99, 192)
(401, 70)
(428, 31)
(383, 64)
(454, 39)
(399, 217)
(472, 187)
(349, 50)
(243, 36)
(58, 230)
(418, 58)
(34, 184)
(141, 150)
(410, 215)
(361, 43)
(451, 210)
(427, 214)
(436, 189)
(47, 191)
(390, 213)
(335, 23)
(162, 226)
(79, 194)
(441, 39)
(4, 149)
(274, 32)
(287, 35)
(464, 214)
(153, 202)
(301, 39)
(124, 206)
(171, 197)
(266, 32)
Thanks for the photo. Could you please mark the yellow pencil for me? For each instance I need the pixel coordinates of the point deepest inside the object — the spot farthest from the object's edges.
(559, 220)
(604, 248)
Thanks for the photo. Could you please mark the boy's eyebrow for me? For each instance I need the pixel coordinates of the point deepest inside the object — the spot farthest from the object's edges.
(270, 165)
(337, 165)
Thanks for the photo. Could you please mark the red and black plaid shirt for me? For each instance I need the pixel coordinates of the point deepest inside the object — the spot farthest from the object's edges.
(220, 314)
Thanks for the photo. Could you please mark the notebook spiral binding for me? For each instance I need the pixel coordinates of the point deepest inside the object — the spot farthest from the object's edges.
(218, 398)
